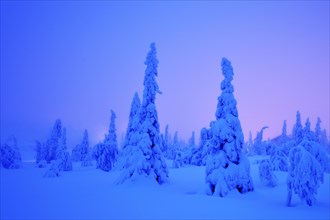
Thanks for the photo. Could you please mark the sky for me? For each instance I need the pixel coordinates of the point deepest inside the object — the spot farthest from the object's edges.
(77, 60)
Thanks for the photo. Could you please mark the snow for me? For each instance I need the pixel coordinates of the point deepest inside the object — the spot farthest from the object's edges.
(89, 193)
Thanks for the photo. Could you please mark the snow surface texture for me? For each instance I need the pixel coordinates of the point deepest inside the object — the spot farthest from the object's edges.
(89, 193)
(146, 158)
(227, 168)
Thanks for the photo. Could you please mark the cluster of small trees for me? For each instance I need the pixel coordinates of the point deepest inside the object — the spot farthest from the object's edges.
(303, 154)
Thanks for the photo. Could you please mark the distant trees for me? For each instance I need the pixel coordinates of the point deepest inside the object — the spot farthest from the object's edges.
(147, 155)
(227, 168)
(10, 156)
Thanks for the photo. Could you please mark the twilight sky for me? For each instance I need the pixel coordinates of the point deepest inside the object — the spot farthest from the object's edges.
(77, 60)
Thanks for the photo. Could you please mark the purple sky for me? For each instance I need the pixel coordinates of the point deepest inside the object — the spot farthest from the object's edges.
(77, 60)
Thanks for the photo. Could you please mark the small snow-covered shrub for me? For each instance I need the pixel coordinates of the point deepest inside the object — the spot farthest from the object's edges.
(53, 170)
(305, 175)
(223, 175)
(266, 175)
(197, 158)
(41, 164)
(178, 160)
(87, 161)
(279, 160)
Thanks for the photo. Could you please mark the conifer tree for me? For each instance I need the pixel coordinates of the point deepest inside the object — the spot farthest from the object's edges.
(147, 157)
(227, 168)
(297, 131)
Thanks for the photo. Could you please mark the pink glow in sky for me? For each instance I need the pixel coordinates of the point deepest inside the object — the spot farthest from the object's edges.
(77, 60)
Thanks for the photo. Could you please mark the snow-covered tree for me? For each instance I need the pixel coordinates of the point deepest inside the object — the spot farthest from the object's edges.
(81, 150)
(297, 131)
(318, 129)
(63, 156)
(324, 141)
(88, 160)
(131, 137)
(10, 155)
(307, 133)
(173, 147)
(191, 141)
(148, 158)
(278, 159)
(52, 143)
(284, 133)
(190, 150)
(167, 139)
(305, 175)
(258, 145)
(53, 170)
(41, 154)
(106, 152)
(319, 153)
(178, 159)
(266, 174)
(227, 168)
(133, 121)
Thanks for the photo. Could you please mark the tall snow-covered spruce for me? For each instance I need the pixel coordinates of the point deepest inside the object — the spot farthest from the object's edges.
(227, 168)
(146, 158)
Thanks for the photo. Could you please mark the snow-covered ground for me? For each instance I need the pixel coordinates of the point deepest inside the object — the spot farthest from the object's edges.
(88, 193)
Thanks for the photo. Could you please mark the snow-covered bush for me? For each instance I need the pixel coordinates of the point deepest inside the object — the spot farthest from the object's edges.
(81, 150)
(178, 160)
(147, 155)
(227, 168)
(318, 152)
(279, 160)
(223, 176)
(41, 152)
(266, 174)
(10, 155)
(305, 175)
(53, 170)
(197, 158)
(41, 164)
(88, 160)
